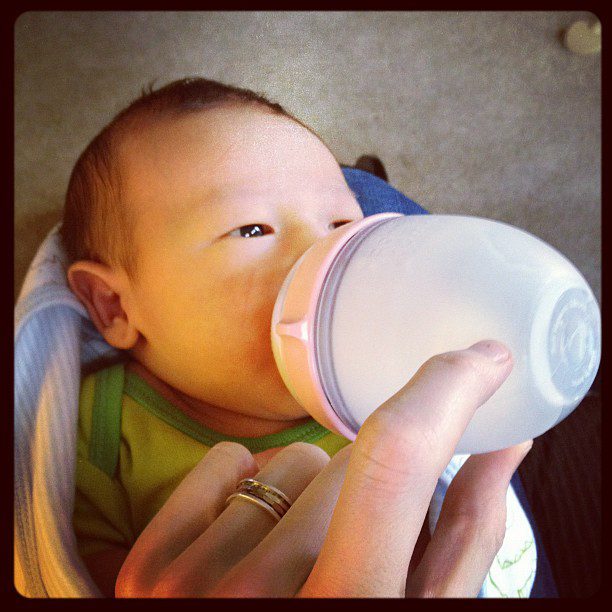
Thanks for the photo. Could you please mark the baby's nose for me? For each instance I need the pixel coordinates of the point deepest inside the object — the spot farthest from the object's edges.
(305, 237)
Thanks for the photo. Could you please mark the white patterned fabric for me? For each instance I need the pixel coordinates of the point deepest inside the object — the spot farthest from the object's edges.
(53, 337)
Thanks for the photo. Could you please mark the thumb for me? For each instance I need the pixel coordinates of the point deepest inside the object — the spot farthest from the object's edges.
(426, 418)
(396, 460)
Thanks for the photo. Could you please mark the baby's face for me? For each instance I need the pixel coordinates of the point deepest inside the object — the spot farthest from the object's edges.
(225, 201)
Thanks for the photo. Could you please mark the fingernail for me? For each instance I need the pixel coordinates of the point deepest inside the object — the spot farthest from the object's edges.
(492, 349)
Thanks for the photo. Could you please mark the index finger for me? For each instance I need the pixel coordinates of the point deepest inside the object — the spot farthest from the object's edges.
(397, 458)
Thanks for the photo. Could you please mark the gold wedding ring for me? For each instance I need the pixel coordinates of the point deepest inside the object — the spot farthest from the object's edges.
(275, 502)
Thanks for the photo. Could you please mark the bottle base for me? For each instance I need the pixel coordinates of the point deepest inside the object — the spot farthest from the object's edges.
(566, 346)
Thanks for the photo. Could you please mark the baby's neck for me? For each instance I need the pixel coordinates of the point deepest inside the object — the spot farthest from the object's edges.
(221, 420)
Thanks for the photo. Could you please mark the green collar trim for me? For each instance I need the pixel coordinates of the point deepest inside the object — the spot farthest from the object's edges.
(140, 391)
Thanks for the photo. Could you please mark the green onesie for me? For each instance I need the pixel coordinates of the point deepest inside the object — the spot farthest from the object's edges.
(134, 447)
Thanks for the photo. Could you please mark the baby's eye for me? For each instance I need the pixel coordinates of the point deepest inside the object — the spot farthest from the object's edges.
(248, 231)
(338, 223)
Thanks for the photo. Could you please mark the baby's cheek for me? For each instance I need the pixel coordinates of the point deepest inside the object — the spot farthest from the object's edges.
(231, 308)
(249, 311)
(251, 291)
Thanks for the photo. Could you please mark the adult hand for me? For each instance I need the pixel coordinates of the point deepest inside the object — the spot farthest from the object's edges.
(356, 518)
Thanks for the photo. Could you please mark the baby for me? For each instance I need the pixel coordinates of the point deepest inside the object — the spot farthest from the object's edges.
(182, 219)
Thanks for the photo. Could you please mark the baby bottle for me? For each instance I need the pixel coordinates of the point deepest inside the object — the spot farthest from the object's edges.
(365, 307)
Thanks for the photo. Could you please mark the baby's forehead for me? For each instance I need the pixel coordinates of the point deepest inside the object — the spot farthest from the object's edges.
(224, 152)
(146, 126)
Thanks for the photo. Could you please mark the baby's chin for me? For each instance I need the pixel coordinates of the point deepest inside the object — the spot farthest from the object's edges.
(278, 395)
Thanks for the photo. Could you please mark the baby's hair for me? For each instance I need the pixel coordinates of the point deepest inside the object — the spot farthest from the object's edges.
(95, 226)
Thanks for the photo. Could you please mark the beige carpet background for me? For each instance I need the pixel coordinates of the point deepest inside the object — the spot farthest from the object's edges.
(482, 113)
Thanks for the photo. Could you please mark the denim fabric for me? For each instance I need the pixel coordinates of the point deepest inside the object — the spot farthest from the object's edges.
(376, 196)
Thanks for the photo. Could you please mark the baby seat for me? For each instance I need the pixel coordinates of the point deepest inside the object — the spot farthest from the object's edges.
(54, 342)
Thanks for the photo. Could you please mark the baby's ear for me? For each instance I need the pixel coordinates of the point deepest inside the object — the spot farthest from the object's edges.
(99, 289)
